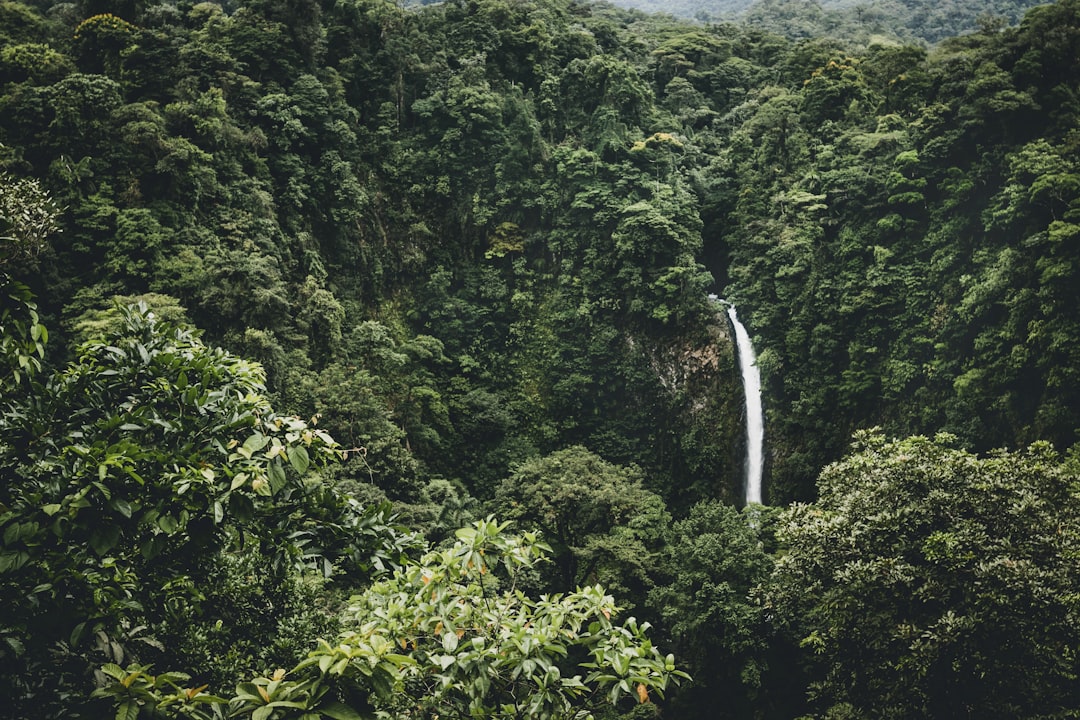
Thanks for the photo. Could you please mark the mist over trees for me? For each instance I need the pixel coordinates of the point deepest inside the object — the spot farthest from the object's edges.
(855, 22)
(303, 302)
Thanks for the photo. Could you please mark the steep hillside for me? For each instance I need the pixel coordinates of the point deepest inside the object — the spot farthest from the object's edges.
(916, 21)
(471, 232)
(476, 239)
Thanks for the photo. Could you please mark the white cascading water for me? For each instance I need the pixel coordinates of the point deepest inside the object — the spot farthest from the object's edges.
(755, 421)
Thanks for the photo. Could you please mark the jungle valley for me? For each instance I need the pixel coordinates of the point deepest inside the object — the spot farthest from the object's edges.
(357, 359)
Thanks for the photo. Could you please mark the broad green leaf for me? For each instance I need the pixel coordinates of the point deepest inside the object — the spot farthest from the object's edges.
(298, 457)
(256, 442)
(400, 659)
(340, 711)
(325, 662)
(167, 523)
(105, 538)
(76, 636)
(15, 645)
(276, 473)
(122, 506)
(113, 670)
(128, 710)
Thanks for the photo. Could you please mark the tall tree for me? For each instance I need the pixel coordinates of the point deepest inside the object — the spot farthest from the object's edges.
(929, 582)
(602, 524)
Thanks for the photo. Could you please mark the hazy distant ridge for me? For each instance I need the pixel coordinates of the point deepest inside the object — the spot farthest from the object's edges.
(912, 20)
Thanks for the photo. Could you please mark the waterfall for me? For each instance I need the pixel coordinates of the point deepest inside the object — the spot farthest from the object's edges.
(755, 422)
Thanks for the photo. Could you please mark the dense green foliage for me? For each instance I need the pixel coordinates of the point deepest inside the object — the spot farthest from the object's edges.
(142, 482)
(918, 22)
(442, 210)
(700, 10)
(903, 226)
(601, 523)
(501, 256)
(928, 582)
(450, 636)
(915, 21)
(474, 239)
(715, 558)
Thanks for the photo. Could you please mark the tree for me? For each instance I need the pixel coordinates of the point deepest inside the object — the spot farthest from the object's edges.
(929, 582)
(131, 477)
(28, 216)
(451, 636)
(713, 559)
(836, 88)
(603, 524)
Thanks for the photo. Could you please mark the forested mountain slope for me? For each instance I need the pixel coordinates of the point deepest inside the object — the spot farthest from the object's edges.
(432, 227)
(921, 246)
(476, 238)
(916, 21)
(471, 232)
(912, 21)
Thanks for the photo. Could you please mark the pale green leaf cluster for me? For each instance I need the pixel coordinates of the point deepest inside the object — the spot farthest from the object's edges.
(450, 636)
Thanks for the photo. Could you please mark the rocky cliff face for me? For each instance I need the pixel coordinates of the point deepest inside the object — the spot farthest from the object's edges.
(699, 377)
